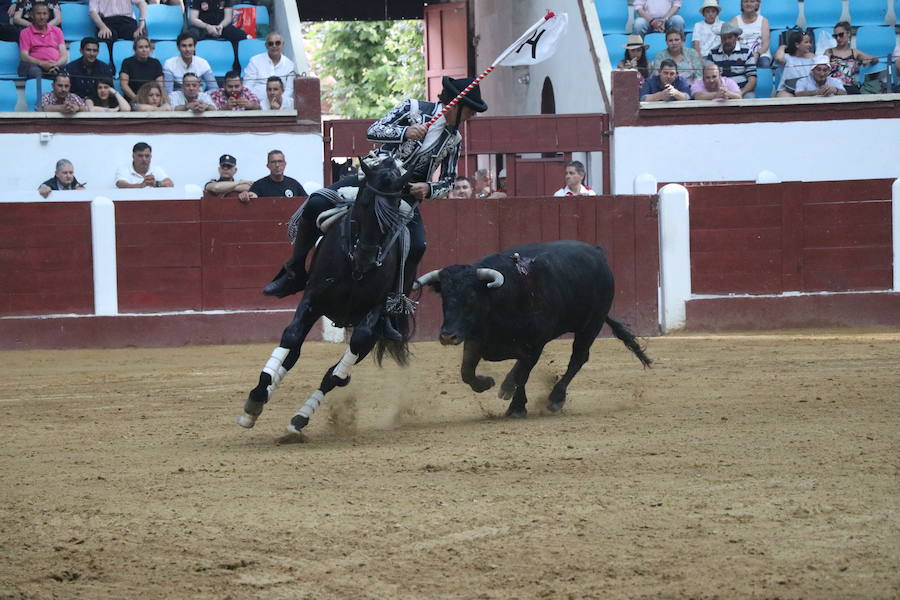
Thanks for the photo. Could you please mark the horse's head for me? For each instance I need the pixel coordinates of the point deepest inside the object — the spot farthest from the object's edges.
(376, 212)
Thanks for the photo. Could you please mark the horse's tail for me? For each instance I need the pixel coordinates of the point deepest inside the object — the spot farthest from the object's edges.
(630, 341)
(399, 351)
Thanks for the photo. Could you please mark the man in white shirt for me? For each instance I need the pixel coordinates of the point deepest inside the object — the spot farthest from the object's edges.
(574, 176)
(191, 97)
(269, 63)
(139, 173)
(175, 67)
(275, 98)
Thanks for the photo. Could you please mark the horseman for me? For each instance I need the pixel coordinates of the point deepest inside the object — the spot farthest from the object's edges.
(421, 150)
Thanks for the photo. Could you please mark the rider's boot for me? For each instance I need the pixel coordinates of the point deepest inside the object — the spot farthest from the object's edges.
(292, 276)
(388, 331)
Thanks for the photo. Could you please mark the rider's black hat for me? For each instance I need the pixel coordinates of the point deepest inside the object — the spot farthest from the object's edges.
(472, 99)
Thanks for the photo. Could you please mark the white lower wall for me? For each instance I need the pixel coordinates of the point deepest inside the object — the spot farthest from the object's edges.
(798, 151)
(25, 162)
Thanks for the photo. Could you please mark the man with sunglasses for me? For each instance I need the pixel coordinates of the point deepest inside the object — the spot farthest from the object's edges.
(271, 62)
(819, 82)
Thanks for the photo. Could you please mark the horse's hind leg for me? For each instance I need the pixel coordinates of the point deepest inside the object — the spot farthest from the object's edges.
(361, 343)
(282, 359)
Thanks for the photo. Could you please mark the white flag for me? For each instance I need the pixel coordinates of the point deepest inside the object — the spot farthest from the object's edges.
(530, 49)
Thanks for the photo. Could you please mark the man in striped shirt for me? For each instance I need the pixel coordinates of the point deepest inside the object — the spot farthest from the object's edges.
(735, 61)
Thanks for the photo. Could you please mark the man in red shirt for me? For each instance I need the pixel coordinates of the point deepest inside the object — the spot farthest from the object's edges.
(42, 48)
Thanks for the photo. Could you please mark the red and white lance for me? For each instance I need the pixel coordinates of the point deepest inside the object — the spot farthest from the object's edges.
(548, 46)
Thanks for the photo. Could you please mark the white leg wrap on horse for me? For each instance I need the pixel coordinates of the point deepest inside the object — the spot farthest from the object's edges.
(342, 369)
(311, 405)
(273, 366)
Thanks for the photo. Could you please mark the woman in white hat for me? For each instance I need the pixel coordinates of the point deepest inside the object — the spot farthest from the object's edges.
(706, 32)
(636, 57)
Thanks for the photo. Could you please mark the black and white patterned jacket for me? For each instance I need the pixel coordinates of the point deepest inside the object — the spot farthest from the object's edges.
(444, 153)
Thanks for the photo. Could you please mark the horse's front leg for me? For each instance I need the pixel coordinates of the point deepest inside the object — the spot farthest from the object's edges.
(283, 358)
(361, 343)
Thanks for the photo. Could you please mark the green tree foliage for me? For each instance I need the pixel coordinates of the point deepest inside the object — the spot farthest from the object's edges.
(367, 67)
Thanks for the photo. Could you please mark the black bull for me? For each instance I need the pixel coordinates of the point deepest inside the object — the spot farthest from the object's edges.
(510, 305)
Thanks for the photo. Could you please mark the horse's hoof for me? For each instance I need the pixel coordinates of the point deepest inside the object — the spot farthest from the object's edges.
(516, 413)
(481, 383)
(247, 421)
(555, 407)
(297, 423)
(506, 392)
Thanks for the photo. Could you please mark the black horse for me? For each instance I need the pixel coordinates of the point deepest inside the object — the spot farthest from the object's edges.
(353, 274)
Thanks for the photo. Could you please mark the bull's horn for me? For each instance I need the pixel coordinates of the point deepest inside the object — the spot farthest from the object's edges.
(495, 277)
(425, 279)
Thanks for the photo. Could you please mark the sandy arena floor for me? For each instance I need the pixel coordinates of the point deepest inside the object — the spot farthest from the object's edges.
(741, 466)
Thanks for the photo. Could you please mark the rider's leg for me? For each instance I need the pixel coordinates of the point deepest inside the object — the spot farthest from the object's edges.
(292, 276)
(416, 250)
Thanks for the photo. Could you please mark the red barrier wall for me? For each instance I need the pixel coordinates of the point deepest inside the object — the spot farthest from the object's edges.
(46, 258)
(795, 236)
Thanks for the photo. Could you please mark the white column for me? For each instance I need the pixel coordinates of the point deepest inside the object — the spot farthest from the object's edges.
(675, 255)
(645, 183)
(767, 177)
(103, 244)
(895, 225)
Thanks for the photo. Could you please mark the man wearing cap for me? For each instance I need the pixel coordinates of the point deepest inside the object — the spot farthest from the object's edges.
(422, 150)
(226, 183)
(657, 15)
(735, 61)
(818, 82)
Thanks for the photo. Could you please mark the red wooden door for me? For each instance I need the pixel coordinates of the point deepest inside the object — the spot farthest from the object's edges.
(446, 44)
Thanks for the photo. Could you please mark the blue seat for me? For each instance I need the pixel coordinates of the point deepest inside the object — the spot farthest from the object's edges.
(9, 58)
(613, 16)
(122, 49)
(9, 96)
(76, 23)
(732, 8)
(31, 94)
(876, 40)
(822, 13)
(764, 83)
(75, 51)
(782, 14)
(868, 12)
(164, 50)
(218, 53)
(690, 11)
(657, 43)
(774, 40)
(614, 47)
(164, 22)
(247, 49)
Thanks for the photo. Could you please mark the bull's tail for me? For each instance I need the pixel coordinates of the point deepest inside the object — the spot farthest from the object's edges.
(624, 334)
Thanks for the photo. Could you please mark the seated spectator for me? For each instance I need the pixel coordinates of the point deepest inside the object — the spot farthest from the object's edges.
(656, 15)
(8, 31)
(139, 69)
(755, 32)
(713, 86)
(115, 19)
(263, 66)
(175, 67)
(275, 98)
(276, 183)
(105, 98)
(484, 185)
(690, 66)
(819, 81)
(463, 188)
(666, 86)
(896, 87)
(797, 57)
(178, 3)
(22, 17)
(845, 61)
(575, 174)
(139, 173)
(87, 70)
(234, 96)
(636, 57)
(211, 19)
(63, 179)
(152, 97)
(734, 60)
(190, 97)
(226, 184)
(706, 32)
(61, 99)
(42, 48)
